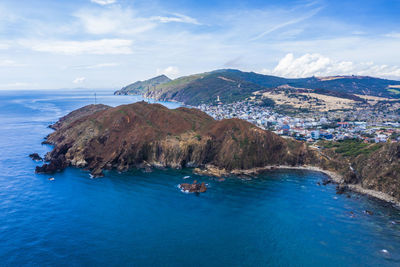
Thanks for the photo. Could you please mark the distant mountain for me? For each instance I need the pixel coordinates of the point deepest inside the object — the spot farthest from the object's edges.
(233, 85)
(141, 87)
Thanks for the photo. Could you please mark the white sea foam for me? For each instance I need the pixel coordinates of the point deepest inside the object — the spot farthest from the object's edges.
(182, 190)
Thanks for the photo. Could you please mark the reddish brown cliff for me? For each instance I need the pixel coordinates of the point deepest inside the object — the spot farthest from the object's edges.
(151, 135)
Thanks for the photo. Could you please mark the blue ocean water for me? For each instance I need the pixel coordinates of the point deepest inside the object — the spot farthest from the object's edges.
(282, 218)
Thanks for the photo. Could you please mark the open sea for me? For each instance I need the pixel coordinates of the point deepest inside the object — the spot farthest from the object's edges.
(282, 218)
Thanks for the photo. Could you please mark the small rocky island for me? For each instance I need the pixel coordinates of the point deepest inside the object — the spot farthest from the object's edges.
(193, 187)
(143, 135)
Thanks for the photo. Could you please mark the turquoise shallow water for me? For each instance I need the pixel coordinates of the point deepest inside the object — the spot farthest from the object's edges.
(282, 218)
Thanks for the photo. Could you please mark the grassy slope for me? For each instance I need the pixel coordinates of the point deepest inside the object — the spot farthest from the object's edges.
(237, 85)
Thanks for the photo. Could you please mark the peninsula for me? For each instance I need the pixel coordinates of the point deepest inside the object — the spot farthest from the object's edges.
(143, 135)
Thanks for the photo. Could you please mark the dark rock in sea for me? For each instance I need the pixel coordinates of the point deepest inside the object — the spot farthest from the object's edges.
(145, 167)
(35, 157)
(97, 173)
(326, 181)
(341, 189)
(368, 212)
(194, 187)
(55, 164)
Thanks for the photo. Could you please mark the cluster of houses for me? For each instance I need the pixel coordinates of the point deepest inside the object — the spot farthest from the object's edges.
(310, 127)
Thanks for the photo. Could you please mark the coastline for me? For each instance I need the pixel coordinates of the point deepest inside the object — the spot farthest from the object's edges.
(334, 176)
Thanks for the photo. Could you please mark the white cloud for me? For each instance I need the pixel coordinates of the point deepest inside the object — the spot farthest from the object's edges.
(170, 71)
(177, 18)
(393, 35)
(113, 21)
(358, 33)
(96, 66)
(103, 2)
(79, 80)
(4, 46)
(125, 21)
(97, 47)
(16, 85)
(10, 63)
(318, 65)
(155, 37)
(287, 23)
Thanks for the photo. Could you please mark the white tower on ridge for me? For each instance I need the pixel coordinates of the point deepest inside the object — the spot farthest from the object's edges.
(218, 100)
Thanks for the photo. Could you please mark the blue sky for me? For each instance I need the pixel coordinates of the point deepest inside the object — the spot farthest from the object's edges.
(110, 43)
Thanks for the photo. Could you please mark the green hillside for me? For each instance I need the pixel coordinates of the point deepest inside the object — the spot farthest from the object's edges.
(233, 85)
(140, 87)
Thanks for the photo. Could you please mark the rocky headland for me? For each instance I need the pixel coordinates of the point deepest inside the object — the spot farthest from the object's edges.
(146, 135)
(142, 135)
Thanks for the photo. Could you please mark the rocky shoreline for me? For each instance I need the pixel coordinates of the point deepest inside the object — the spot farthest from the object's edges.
(334, 176)
(128, 136)
(142, 135)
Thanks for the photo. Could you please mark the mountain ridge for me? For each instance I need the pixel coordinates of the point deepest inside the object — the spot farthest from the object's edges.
(140, 87)
(233, 85)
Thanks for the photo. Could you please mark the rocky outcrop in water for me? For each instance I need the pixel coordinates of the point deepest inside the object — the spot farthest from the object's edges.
(194, 187)
(142, 135)
(35, 157)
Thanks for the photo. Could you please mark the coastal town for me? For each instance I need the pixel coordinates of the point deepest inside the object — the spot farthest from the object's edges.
(368, 124)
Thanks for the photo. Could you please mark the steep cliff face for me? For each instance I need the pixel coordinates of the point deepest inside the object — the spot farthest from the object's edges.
(143, 135)
(368, 166)
(380, 171)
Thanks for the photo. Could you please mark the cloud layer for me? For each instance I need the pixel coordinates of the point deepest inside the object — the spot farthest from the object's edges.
(115, 42)
(98, 47)
(79, 80)
(104, 2)
(317, 65)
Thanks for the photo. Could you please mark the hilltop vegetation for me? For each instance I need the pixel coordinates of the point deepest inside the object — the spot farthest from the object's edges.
(351, 148)
(141, 87)
(147, 135)
(205, 88)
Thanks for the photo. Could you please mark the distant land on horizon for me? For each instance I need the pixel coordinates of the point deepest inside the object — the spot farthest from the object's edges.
(234, 85)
